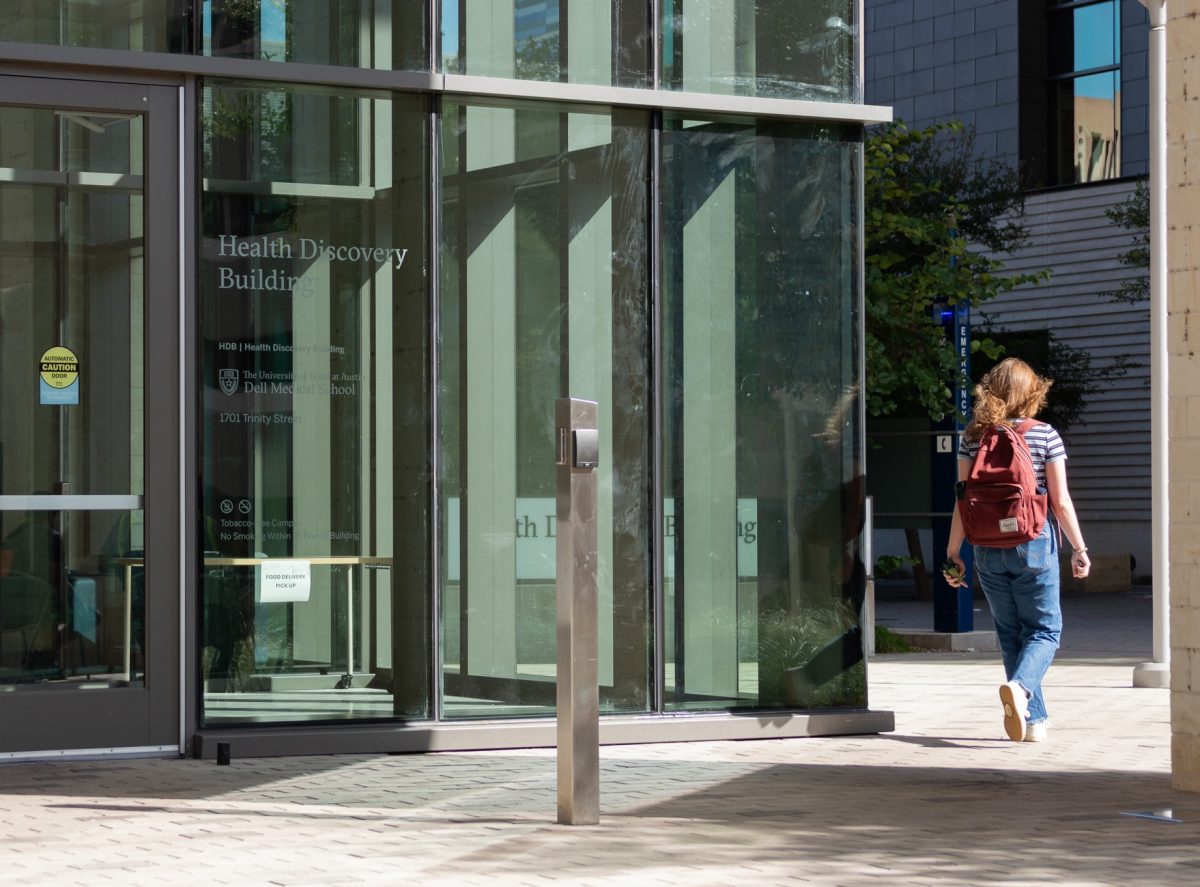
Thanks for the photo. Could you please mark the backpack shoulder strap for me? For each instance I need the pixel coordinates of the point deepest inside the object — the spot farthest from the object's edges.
(1021, 429)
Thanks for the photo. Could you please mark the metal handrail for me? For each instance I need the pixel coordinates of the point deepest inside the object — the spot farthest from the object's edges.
(319, 561)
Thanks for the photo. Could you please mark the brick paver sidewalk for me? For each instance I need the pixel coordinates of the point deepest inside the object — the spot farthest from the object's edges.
(943, 800)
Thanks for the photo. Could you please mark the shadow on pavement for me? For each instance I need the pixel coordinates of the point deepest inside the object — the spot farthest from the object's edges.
(839, 823)
(851, 825)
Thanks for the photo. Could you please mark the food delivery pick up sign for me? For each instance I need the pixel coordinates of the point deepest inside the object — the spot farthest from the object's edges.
(59, 381)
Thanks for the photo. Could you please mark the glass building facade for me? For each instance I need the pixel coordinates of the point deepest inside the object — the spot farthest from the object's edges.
(289, 291)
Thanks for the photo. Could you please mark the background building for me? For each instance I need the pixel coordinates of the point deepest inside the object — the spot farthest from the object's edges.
(287, 294)
(1060, 90)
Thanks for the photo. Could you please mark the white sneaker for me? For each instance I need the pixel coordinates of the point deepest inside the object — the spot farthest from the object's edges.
(1036, 732)
(1016, 710)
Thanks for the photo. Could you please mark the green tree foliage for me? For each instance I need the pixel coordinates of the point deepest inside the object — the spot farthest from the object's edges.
(1134, 215)
(538, 58)
(930, 209)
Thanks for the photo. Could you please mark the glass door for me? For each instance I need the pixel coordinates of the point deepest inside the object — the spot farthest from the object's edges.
(89, 416)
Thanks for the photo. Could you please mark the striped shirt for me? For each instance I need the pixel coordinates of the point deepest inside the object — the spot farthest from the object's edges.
(1044, 445)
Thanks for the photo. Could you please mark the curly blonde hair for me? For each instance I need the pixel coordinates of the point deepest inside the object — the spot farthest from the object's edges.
(1010, 390)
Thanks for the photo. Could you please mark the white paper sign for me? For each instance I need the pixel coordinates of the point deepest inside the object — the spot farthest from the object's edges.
(284, 581)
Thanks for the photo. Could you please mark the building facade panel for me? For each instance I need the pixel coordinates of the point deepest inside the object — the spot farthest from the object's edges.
(349, 296)
(971, 37)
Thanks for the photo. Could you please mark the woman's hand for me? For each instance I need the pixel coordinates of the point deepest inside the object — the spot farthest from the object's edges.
(1081, 564)
(956, 575)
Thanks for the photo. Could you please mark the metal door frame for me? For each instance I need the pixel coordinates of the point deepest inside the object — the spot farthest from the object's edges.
(68, 720)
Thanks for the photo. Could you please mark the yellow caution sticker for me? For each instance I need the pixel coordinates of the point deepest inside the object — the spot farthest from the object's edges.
(60, 367)
(59, 371)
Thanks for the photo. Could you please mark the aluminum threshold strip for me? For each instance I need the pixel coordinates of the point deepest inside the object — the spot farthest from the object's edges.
(270, 741)
(75, 754)
(57, 58)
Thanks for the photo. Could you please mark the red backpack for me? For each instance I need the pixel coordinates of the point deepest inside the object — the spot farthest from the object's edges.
(1001, 505)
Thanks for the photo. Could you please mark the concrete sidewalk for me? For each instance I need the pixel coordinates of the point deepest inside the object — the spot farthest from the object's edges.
(1104, 626)
(943, 800)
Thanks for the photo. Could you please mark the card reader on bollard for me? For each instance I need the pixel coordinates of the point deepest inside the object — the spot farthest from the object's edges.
(587, 447)
(578, 690)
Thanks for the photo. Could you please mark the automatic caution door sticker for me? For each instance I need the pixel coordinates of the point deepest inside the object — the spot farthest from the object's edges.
(59, 379)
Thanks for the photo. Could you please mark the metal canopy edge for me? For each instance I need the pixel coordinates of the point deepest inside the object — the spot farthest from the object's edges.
(81, 60)
(666, 99)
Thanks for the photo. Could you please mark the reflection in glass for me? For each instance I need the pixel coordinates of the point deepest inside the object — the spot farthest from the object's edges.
(1085, 98)
(543, 295)
(578, 41)
(776, 48)
(142, 25)
(71, 394)
(1087, 113)
(1097, 31)
(1083, 38)
(315, 445)
(386, 35)
(763, 483)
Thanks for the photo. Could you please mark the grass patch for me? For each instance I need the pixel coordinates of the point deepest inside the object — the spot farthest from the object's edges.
(887, 641)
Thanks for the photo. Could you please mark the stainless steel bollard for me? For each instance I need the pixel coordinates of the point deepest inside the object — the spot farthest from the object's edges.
(868, 556)
(578, 445)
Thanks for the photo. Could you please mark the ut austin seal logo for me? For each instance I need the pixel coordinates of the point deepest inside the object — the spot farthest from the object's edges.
(229, 380)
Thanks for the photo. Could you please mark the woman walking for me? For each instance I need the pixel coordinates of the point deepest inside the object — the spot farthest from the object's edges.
(1021, 583)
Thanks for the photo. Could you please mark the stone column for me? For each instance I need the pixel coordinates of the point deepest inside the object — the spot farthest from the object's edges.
(1183, 298)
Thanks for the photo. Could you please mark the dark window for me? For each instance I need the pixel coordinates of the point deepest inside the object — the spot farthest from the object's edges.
(1084, 69)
